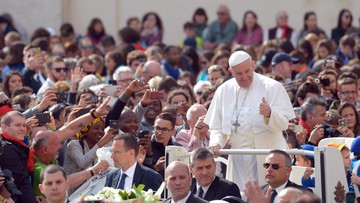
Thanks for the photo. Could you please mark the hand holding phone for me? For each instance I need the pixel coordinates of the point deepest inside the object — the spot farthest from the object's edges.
(114, 124)
(342, 123)
(156, 95)
(83, 111)
(43, 118)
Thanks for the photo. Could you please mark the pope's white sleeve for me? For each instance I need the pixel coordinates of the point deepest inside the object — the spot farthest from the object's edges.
(277, 122)
(217, 137)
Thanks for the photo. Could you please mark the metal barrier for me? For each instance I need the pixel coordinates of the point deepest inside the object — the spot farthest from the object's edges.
(330, 177)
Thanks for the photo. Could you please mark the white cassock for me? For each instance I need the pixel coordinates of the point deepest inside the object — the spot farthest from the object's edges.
(253, 132)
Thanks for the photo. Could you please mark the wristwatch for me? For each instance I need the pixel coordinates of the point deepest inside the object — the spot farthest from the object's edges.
(92, 113)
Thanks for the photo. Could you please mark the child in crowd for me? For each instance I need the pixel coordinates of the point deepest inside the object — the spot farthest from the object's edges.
(190, 36)
(345, 153)
(355, 148)
(307, 161)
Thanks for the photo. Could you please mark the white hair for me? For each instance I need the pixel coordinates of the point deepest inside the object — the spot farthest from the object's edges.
(121, 69)
(200, 84)
(193, 109)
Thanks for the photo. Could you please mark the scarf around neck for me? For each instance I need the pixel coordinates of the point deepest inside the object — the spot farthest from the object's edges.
(30, 161)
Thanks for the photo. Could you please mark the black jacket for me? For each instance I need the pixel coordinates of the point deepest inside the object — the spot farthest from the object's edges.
(143, 175)
(191, 199)
(218, 189)
(14, 158)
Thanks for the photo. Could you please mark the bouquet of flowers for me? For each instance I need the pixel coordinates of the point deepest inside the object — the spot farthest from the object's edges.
(134, 195)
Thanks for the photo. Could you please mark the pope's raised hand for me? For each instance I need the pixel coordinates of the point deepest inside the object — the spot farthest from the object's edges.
(264, 108)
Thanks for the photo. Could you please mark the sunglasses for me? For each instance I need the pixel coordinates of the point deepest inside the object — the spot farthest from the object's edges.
(274, 166)
(90, 73)
(87, 47)
(58, 70)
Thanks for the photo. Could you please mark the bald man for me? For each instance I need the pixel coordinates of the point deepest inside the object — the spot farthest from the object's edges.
(251, 110)
(151, 69)
(178, 182)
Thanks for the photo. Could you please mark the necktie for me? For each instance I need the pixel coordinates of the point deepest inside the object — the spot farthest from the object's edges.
(122, 181)
(273, 195)
(200, 192)
(37, 78)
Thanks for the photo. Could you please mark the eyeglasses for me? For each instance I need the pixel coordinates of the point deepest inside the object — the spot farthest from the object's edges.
(163, 130)
(274, 166)
(87, 47)
(90, 73)
(347, 93)
(112, 151)
(58, 70)
(199, 93)
(126, 80)
(214, 68)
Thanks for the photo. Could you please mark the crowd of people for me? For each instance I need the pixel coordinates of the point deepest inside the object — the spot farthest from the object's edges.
(64, 97)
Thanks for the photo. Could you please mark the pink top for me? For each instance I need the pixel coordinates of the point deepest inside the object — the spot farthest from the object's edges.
(253, 38)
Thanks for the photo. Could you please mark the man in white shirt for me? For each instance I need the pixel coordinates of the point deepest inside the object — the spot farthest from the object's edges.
(178, 182)
(254, 119)
(56, 71)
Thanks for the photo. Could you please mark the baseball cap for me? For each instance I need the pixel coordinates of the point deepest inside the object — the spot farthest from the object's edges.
(280, 57)
(338, 61)
(267, 57)
(308, 147)
(355, 145)
(238, 57)
(337, 145)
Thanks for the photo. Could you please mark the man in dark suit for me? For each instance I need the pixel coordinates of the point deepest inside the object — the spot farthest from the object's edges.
(206, 185)
(32, 74)
(124, 151)
(277, 169)
(178, 182)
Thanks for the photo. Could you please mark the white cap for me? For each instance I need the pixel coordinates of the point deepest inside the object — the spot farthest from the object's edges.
(238, 57)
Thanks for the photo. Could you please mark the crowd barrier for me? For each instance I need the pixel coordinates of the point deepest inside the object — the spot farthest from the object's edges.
(330, 177)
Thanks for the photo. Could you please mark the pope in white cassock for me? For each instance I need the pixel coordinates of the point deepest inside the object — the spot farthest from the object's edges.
(251, 110)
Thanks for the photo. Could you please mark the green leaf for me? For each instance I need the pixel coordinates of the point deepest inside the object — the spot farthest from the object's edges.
(123, 194)
(140, 188)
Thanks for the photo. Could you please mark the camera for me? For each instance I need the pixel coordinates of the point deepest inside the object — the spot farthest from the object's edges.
(330, 132)
(43, 118)
(61, 97)
(9, 184)
(323, 81)
(142, 134)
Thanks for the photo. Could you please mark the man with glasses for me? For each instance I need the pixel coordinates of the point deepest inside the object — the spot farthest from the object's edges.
(128, 172)
(86, 47)
(224, 29)
(348, 91)
(56, 71)
(88, 66)
(277, 169)
(124, 76)
(164, 129)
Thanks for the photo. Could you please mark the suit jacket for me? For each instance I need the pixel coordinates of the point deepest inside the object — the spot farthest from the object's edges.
(289, 184)
(191, 199)
(29, 80)
(143, 175)
(218, 189)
